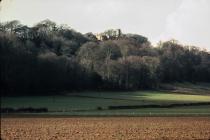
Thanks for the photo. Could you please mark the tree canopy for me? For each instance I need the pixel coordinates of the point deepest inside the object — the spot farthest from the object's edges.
(49, 57)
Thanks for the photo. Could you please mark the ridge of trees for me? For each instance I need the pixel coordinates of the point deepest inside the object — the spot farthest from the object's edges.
(49, 57)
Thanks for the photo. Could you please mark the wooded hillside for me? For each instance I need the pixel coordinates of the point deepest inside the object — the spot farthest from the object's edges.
(50, 57)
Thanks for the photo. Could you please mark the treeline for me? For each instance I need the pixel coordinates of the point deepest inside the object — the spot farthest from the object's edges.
(49, 57)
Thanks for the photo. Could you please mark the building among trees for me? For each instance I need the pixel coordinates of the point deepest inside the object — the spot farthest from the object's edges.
(109, 34)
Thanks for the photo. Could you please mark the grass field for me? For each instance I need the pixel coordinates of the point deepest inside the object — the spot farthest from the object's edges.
(60, 121)
(199, 88)
(86, 103)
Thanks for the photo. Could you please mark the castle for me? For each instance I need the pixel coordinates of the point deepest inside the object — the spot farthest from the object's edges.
(109, 34)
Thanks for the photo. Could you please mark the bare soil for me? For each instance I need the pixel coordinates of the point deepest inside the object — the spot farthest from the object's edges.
(105, 128)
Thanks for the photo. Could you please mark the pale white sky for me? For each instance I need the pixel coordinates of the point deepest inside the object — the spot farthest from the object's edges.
(185, 20)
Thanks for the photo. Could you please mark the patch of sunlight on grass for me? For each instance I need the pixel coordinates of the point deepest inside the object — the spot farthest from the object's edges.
(176, 97)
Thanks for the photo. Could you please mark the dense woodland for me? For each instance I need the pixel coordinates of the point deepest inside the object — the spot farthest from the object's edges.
(49, 57)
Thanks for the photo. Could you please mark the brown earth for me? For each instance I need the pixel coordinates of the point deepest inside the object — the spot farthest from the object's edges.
(105, 128)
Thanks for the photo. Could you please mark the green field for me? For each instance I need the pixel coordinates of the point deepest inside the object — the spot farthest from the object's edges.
(86, 103)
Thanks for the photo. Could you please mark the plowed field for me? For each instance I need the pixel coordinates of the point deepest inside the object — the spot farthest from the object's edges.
(105, 128)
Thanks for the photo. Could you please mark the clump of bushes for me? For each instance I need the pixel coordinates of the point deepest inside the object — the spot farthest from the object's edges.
(99, 108)
(24, 110)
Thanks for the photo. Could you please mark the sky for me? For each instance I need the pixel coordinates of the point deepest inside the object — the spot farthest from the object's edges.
(187, 21)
